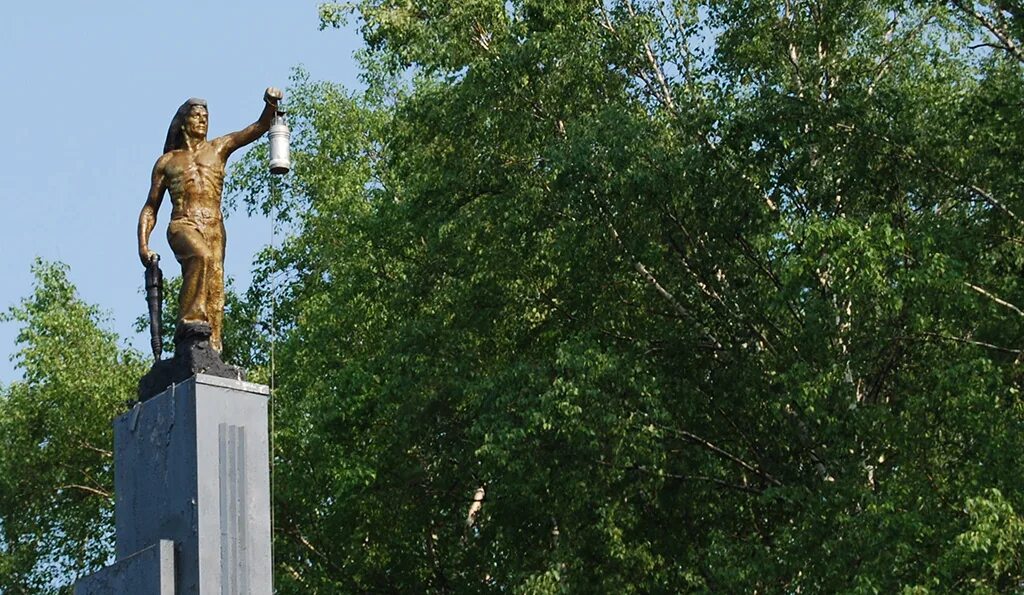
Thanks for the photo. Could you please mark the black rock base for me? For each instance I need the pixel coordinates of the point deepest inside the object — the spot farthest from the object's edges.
(192, 355)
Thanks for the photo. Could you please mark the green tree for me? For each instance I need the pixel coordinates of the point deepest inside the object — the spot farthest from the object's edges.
(56, 479)
(652, 296)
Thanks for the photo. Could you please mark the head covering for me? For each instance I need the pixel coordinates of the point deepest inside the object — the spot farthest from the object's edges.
(174, 134)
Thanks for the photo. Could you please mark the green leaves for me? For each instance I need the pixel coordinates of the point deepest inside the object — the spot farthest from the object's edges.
(56, 480)
(994, 542)
(709, 294)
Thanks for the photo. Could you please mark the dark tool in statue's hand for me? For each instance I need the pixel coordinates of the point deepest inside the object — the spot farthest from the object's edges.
(155, 299)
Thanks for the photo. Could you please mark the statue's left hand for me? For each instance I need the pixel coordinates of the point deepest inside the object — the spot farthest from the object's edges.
(273, 96)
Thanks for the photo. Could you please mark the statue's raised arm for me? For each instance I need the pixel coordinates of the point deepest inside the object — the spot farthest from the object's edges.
(233, 141)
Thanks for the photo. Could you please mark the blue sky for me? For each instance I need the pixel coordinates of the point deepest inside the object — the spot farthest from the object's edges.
(90, 89)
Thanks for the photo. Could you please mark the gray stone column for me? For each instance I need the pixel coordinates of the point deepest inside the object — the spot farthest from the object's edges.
(191, 466)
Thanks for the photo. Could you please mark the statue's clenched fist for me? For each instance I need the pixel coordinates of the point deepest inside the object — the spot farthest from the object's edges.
(273, 96)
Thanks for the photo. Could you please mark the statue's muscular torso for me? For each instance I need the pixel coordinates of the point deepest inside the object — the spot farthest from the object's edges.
(195, 181)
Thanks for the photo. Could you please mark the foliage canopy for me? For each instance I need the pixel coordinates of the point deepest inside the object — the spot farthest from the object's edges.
(56, 479)
(714, 296)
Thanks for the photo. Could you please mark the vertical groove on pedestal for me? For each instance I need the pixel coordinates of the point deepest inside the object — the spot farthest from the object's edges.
(225, 531)
(233, 538)
(242, 541)
(223, 439)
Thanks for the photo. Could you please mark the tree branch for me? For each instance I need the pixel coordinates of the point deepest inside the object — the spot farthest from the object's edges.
(666, 93)
(722, 453)
(87, 446)
(909, 154)
(650, 278)
(993, 28)
(972, 342)
(715, 480)
(87, 489)
(995, 299)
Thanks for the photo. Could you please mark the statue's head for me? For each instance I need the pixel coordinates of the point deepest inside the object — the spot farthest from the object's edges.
(191, 120)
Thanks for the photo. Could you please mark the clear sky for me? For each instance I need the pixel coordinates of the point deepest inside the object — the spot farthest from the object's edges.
(90, 89)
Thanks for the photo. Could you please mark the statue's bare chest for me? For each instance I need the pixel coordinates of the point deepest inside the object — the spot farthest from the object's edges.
(190, 172)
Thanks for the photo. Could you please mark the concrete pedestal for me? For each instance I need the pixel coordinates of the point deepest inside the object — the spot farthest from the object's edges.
(148, 572)
(191, 466)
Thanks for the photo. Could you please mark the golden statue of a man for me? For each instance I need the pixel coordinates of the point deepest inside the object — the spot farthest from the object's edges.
(192, 171)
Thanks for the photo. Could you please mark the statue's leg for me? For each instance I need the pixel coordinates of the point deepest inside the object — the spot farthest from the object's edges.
(215, 287)
(193, 252)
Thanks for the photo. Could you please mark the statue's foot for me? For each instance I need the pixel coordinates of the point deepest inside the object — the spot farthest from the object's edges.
(192, 331)
(192, 355)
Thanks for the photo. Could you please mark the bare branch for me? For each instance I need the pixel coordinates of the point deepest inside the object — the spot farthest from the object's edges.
(883, 64)
(481, 36)
(666, 93)
(653, 281)
(87, 489)
(476, 506)
(722, 453)
(995, 299)
(909, 154)
(716, 481)
(972, 342)
(705, 478)
(301, 539)
(87, 446)
(294, 573)
(997, 31)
